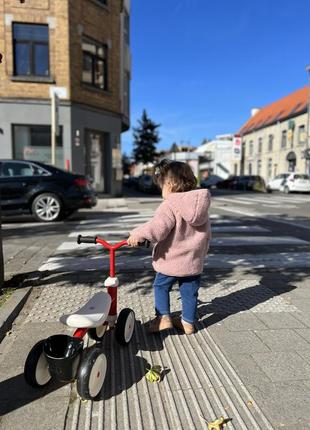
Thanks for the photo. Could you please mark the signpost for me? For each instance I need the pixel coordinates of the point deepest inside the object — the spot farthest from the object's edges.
(54, 125)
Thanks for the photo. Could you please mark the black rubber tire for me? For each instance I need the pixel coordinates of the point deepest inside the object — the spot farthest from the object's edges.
(58, 207)
(36, 357)
(120, 334)
(85, 377)
(93, 333)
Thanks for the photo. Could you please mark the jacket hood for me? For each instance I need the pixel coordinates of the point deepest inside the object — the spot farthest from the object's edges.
(192, 205)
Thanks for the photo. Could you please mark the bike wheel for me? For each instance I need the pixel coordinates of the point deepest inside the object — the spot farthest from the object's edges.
(36, 370)
(97, 333)
(91, 373)
(125, 326)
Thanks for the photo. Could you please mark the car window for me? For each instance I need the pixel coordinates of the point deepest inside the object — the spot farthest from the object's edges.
(301, 177)
(39, 171)
(16, 168)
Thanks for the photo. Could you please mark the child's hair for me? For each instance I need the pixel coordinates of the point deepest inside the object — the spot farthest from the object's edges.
(179, 174)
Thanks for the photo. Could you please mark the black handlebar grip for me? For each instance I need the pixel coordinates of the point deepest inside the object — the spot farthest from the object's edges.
(86, 239)
(145, 243)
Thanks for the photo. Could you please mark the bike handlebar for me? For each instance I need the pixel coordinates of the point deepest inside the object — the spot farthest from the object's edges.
(93, 239)
(86, 239)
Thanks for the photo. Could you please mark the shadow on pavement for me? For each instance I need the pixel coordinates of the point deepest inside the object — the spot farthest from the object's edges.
(16, 393)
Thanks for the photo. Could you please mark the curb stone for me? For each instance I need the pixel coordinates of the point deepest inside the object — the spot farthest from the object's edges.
(11, 308)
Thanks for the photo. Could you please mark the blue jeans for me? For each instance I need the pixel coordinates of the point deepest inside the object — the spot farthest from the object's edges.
(189, 286)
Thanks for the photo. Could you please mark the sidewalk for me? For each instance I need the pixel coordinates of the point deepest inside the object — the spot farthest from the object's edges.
(249, 360)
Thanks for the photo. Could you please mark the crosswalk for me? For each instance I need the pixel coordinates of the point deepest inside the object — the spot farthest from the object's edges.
(270, 200)
(236, 244)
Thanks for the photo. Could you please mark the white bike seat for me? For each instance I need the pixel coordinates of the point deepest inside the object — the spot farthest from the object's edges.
(92, 314)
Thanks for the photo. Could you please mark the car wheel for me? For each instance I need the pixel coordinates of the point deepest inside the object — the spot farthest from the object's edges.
(47, 207)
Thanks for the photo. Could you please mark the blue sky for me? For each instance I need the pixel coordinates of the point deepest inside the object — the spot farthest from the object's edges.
(199, 66)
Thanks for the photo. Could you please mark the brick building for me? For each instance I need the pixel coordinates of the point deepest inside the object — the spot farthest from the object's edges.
(275, 138)
(78, 49)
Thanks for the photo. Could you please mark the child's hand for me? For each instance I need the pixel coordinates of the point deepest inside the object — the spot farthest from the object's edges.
(132, 242)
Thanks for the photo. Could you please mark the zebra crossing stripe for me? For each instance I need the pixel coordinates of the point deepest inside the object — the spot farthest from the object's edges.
(240, 229)
(257, 199)
(216, 241)
(257, 240)
(221, 199)
(213, 261)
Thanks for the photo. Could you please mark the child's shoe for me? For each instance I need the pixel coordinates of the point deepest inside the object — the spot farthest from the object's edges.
(160, 323)
(186, 327)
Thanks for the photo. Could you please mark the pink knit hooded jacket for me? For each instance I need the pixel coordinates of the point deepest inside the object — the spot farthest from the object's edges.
(181, 230)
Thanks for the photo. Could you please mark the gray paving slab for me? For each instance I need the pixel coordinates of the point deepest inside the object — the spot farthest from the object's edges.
(23, 339)
(305, 333)
(243, 321)
(248, 370)
(283, 366)
(284, 340)
(303, 317)
(47, 414)
(246, 342)
(278, 320)
(286, 404)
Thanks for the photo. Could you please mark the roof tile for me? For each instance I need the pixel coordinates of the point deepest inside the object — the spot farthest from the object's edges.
(284, 108)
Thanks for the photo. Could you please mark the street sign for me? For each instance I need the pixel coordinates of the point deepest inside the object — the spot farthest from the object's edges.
(237, 148)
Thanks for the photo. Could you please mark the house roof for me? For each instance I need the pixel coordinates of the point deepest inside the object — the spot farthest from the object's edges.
(287, 107)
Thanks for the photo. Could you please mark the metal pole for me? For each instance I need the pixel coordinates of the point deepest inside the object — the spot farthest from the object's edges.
(53, 129)
(1, 258)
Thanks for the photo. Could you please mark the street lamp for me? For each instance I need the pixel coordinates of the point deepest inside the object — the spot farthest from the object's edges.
(307, 150)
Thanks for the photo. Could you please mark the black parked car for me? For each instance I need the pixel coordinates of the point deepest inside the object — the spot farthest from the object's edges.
(48, 193)
(243, 183)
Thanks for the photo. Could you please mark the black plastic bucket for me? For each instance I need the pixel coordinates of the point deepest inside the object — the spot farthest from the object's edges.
(63, 355)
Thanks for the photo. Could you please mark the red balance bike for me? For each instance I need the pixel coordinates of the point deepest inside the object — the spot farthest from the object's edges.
(63, 357)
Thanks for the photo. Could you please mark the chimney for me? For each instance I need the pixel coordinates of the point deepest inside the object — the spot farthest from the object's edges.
(254, 111)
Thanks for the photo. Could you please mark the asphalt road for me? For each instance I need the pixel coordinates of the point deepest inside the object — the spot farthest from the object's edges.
(261, 224)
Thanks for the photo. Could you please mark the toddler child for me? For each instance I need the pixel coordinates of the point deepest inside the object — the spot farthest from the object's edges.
(181, 232)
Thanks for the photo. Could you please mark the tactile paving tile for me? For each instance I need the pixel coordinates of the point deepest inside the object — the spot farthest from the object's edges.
(225, 297)
(232, 296)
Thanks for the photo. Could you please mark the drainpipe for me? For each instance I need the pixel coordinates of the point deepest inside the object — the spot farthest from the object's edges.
(1, 258)
(307, 166)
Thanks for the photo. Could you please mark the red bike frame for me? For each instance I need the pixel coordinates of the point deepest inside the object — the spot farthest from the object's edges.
(112, 291)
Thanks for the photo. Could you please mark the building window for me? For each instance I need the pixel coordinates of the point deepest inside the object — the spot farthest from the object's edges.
(251, 149)
(31, 51)
(284, 139)
(250, 169)
(269, 172)
(260, 145)
(270, 143)
(33, 142)
(126, 93)
(301, 135)
(259, 167)
(94, 64)
(126, 28)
